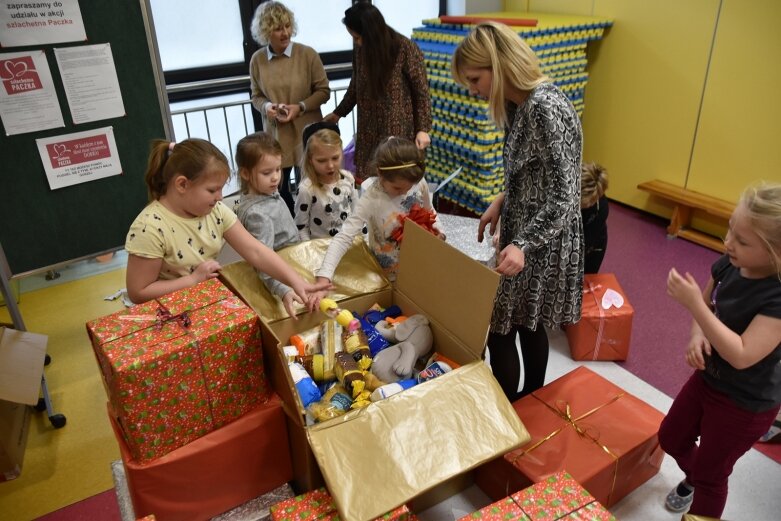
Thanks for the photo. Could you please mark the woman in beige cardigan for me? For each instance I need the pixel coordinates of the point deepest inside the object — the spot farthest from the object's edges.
(288, 85)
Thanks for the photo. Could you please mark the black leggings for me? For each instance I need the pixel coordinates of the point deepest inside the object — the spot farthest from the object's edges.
(507, 367)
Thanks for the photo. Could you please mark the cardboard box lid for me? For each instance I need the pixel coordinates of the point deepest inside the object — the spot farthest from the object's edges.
(465, 410)
(21, 365)
(464, 289)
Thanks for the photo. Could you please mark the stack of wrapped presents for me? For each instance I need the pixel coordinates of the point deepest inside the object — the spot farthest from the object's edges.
(463, 134)
(199, 428)
(209, 409)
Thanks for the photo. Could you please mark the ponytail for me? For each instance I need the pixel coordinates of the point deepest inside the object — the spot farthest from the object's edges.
(155, 181)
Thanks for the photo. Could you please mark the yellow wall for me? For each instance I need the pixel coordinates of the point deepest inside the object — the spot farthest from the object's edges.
(681, 90)
(739, 133)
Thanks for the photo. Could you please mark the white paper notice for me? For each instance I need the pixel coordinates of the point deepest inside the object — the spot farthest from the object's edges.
(28, 102)
(38, 23)
(90, 81)
(77, 158)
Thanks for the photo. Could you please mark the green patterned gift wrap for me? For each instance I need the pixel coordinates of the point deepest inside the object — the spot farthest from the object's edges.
(179, 367)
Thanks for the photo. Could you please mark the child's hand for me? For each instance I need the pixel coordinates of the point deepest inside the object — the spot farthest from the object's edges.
(698, 348)
(206, 270)
(288, 300)
(685, 290)
(315, 298)
(311, 293)
(323, 286)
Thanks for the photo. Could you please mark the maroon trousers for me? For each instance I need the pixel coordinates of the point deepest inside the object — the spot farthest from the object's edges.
(725, 433)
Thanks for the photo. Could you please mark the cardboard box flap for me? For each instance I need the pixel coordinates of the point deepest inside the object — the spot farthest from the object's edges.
(358, 273)
(400, 447)
(465, 289)
(21, 365)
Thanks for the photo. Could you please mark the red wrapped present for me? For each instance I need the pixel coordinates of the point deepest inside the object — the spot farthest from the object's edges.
(179, 367)
(226, 468)
(503, 510)
(319, 505)
(605, 325)
(557, 497)
(604, 436)
(560, 497)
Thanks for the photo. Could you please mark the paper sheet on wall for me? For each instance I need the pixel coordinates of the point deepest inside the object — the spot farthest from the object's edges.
(39, 23)
(28, 101)
(77, 158)
(91, 83)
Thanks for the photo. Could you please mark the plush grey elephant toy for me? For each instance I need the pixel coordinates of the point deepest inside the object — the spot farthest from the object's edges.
(411, 340)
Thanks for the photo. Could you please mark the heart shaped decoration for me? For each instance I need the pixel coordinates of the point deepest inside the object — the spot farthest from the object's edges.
(16, 69)
(612, 298)
(59, 149)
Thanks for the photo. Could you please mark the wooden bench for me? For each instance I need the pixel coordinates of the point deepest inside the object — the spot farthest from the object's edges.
(686, 201)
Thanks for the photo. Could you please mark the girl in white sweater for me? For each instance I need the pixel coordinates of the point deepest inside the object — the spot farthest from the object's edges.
(400, 192)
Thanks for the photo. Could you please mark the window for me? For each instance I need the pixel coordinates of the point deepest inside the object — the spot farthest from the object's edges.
(198, 33)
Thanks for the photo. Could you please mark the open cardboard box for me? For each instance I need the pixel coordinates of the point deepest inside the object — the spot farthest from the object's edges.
(384, 455)
(21, 365)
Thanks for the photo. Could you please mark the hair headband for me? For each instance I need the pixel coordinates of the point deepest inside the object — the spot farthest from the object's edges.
(396, 167)
(314, 127)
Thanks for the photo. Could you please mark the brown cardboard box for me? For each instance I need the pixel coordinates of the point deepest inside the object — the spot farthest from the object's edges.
(21, 365)
(379, 457)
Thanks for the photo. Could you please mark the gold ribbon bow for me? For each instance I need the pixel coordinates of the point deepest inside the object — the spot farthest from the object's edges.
(565, 413)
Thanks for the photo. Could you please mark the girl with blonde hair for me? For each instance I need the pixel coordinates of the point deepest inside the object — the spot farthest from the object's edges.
(327, 195)
(734, 394)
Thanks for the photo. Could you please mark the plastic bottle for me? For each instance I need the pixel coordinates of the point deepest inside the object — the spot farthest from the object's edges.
(307, 342)
(375, 340)
(306, 387)
(433, 370)
(390, 389)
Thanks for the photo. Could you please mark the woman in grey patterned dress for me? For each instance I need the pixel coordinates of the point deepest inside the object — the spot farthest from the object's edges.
(541, 231)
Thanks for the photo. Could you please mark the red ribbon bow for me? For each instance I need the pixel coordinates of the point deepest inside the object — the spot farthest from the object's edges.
(419, 215)
(163, 316)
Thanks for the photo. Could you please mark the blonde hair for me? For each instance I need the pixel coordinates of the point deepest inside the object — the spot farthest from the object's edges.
(398, 158)
(188, 158)
(250, 150)
(268, 17)
(323, 137)
(593, 183)
(494, 46)
(763, 204)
